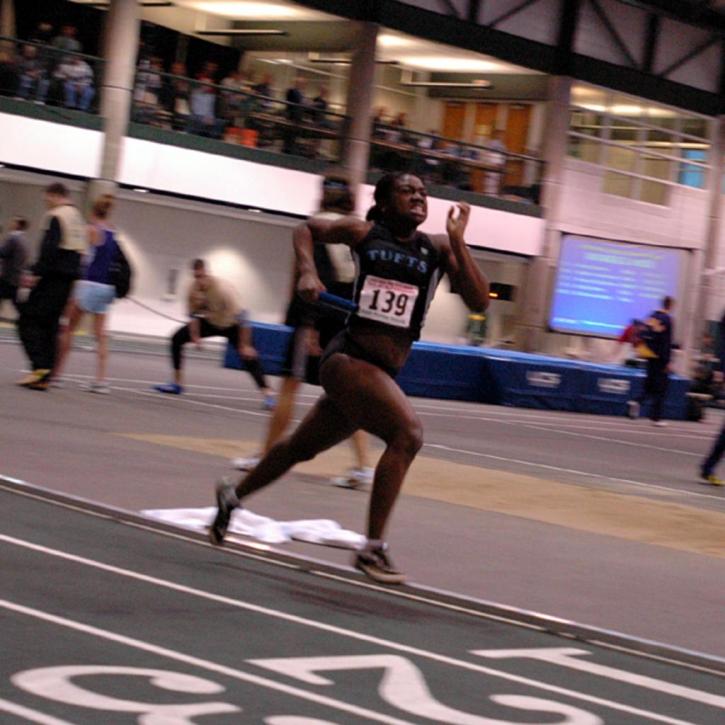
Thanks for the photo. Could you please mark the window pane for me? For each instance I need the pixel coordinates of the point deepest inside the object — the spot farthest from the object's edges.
(585, 149)
(654, 166)
(618, 184)
(619, 158)
(586, 122)
(653, 193)
(695, 127)
(620, 130)
(588, 97)
(627, 106)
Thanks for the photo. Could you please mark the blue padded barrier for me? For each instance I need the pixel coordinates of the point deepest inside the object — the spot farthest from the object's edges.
(502, 377)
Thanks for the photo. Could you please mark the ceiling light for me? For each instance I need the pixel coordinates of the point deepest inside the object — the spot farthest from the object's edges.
(393, 41)
(239, 9)
(455, 65)
(242, 32)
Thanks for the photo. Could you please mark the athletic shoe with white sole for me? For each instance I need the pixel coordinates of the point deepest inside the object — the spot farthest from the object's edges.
(169, 389)
(374, 562)
(632, 409)
(355, 478)
(99, 388)
(269, 402)
(660, 423)
(245, 464)
(226, 501)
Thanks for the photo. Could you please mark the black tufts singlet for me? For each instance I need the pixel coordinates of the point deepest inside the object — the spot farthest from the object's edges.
(395, 281)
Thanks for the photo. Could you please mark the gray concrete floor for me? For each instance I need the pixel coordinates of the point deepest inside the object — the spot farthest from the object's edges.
(70, 441)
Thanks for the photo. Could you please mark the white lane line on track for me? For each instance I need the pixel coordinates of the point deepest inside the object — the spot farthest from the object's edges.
(30, 715)
(332, 629)
(202, 663)
(559, 469)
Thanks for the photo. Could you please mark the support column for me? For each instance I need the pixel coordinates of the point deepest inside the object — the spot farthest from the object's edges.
(120, 51)
(356, 144)
(532, 325)
(7, 19)
(707, 278)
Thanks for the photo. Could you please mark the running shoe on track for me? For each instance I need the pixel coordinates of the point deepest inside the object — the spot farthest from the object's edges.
(226, 501)
(355, 478)
(632, 409)
(712, 479)
(374, 562)
(169, 388)
(35, 380)
(245, 464)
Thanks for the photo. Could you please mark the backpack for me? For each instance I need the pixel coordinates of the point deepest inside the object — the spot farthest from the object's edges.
(120, 273)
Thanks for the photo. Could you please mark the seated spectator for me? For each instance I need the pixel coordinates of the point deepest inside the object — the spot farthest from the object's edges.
(33, 79)
(175, 96)
(203, 99)
(77, 78)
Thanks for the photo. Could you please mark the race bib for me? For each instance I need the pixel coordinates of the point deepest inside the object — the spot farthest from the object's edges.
(388, 301)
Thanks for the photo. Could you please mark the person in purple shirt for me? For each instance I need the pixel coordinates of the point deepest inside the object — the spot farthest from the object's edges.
(93, 294)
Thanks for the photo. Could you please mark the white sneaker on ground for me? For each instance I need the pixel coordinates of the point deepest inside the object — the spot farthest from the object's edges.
(355, 478)
(660, 423)
(245, 464)
(57, 383)
(99, 388)
(632, 409)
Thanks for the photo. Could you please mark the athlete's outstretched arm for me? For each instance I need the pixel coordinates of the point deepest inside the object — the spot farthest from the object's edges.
(348, 230)
(466, 278)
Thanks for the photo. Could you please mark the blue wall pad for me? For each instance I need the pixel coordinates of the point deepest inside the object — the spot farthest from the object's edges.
(501, 377)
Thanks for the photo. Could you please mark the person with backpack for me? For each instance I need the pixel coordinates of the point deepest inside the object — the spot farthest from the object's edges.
(655, 345)
(93, 294)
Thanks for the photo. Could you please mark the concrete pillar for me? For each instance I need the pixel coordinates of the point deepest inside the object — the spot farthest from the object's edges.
(120, 51)
(705, 278)
(7, 19)
(532, 324)
(356, 144)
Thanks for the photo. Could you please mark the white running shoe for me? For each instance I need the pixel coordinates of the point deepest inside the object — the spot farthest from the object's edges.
(660, 423)
(632, 409)
(245, 464)
(355, 478)
(99, 388)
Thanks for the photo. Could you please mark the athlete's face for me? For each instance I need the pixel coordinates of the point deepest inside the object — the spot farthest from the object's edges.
(410, 199)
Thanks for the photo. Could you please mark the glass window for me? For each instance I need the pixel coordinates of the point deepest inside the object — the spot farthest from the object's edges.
(588, 97)
(619, 158)
(587, 122)
(656, 167)
(622, 131)
(585, 149)
(695, 127)
(618, 184)
(690, 174)
(653, 192)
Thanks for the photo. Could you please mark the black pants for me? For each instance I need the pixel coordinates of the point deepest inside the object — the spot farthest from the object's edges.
(713, 458)
(183, 335)
(39, 320)
(655, 387)
(9, 292)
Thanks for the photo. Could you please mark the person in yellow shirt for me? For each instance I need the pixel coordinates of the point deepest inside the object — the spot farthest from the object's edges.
(213, 312)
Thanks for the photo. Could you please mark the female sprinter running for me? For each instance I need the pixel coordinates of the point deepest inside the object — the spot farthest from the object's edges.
(398, 271)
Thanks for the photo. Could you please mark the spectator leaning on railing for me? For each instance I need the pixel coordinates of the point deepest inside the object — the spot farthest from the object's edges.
(33, 80)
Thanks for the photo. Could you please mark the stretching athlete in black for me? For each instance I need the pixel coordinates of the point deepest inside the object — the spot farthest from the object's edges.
(398, 271)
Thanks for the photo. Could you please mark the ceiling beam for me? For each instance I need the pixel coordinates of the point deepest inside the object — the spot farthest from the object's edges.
(616, 37)
(650, 42)
(692, 53)
(511, 12)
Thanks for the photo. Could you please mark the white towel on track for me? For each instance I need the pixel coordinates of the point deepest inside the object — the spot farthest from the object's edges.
(263, 528)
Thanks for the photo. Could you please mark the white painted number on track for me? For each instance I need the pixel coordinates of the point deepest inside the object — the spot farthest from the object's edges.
(56, 683)
(404, 687)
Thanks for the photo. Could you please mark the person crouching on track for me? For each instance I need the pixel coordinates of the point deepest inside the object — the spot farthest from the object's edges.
(398, 271)
(214, 313)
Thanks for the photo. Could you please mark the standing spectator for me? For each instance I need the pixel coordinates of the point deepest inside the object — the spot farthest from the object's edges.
(214, 313)
(496, 160)
(656, 341)
(203, 120)
(66, 41)
(295, 113)
(64, 240)
(13, 255)
(232, 96)
(43, 33)
(707, 467)
(147, 89)
(33, 79)
(77, 78)
(264, 89)
(93, 294)
(8, 73)
(175, 96)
